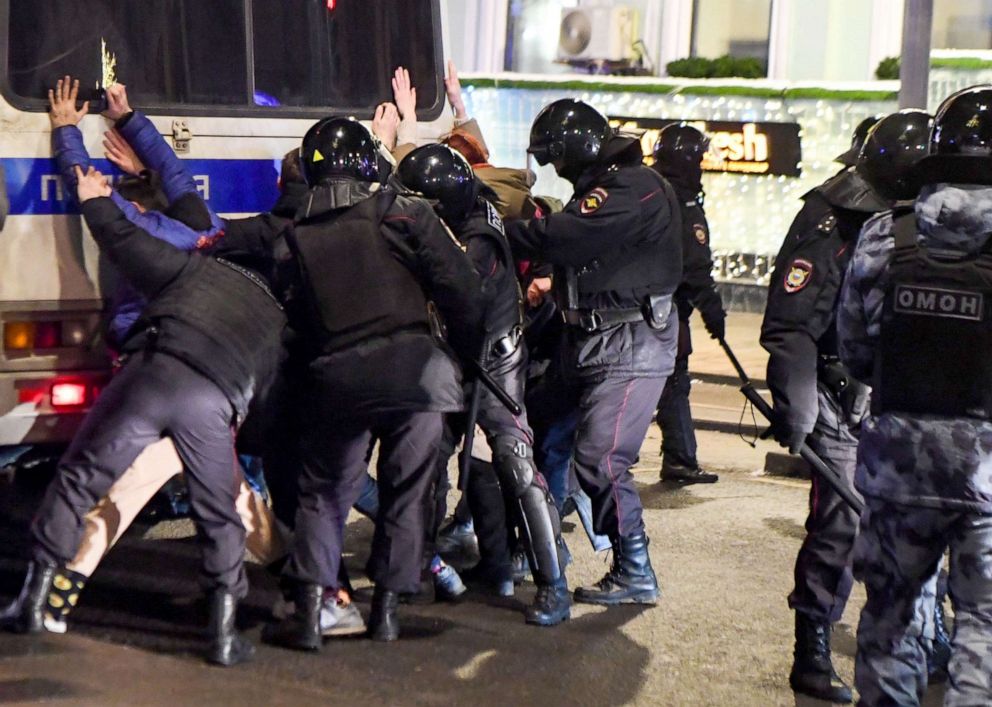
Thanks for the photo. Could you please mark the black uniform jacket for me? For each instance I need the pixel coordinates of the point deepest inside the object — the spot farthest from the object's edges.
(800, 318)
(613, 208)
(214, 314)
(408, 370)
(483, 236)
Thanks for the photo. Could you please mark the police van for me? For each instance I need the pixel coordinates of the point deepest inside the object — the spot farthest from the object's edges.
(231, 84)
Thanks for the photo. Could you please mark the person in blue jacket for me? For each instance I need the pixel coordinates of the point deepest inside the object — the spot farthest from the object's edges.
(159, 195)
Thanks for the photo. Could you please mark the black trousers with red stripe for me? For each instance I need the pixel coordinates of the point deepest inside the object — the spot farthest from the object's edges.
(614, 416)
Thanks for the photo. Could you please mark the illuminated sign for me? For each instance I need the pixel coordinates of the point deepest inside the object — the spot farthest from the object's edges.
(744, 148)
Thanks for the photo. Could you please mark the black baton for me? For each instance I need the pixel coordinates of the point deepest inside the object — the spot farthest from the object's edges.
(833, 479)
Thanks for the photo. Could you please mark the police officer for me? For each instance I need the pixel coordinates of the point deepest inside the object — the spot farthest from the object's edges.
(616, 248)
(467, 206)
(815, 398)
(678, 157)
(370, 267)
(915, 321)
(849, 157)
(208, 339)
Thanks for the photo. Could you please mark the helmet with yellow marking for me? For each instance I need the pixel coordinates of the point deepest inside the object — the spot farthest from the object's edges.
(339, 147)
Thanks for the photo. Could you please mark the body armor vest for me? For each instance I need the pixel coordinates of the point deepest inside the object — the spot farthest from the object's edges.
(651, 266)
(356, 287)
(935, 306)
(237, 320)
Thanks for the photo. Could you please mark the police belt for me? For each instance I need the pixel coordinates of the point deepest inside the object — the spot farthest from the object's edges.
(591, 320)
(506, 344)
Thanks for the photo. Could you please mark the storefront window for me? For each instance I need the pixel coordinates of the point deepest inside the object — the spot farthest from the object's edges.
(736, 27)
(962, 24)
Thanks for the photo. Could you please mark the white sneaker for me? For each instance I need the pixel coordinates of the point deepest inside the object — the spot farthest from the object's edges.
(338, 619)
(53, 625)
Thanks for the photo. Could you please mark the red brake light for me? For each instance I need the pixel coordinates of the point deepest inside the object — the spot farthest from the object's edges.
(331, 4)
(47, 335)
(68, 394)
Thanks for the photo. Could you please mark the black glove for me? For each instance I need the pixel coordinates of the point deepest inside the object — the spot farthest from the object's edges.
(716, 323)
(789, 437)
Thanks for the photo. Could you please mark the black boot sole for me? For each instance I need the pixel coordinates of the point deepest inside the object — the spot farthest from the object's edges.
(544, 621)
(838, 696)
(215, 657)
(646, 597)
(308, 646)
(383, 636)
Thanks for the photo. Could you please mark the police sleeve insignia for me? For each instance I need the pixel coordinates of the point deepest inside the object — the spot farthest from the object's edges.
(593, 201)
(493, 218)
(798, 276)
(700, 232)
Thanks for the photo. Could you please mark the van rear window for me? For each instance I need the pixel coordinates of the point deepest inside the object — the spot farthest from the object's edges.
(264, 54)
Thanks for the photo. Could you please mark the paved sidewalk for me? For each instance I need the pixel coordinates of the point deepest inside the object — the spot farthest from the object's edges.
(708, 358)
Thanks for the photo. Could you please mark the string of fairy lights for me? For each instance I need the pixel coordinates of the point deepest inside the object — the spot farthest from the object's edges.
(749, 215)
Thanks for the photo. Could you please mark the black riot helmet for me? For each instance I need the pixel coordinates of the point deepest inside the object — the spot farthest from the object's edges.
(680, 149)
(891, 152)
(571, 131)
(849, 158)
(339, 147)
(961, 139)
(440, 173)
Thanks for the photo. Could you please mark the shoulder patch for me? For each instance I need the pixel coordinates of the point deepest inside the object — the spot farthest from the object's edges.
(493, 218)
(593, 201)
(798, 275)
(699, 230)
(827, 223)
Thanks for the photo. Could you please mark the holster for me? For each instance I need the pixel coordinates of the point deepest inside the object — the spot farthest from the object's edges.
(852, 394)
(656, 310)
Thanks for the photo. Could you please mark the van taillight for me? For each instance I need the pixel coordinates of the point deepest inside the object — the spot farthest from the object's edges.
(68, 394)
(24, 336)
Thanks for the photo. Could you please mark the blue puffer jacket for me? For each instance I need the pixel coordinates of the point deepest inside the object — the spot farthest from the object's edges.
(68, 148)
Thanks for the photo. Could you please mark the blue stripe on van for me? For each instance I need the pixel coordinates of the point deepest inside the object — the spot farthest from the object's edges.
(229, 186)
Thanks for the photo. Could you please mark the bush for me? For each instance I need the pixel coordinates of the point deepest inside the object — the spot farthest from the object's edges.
(693, 67)
(888, 69)
(697, 67)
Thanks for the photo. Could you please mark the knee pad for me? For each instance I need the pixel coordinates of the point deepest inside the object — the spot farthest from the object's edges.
(514, 462)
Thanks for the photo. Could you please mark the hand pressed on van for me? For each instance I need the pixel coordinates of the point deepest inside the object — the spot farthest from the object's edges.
(453, 88)
(118, 151)
(90, 185)
(62, 103)
(404, 94)
(385, 124)
(117, 105)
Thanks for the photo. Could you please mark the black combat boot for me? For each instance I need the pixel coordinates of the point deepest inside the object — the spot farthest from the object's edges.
(552, 604)
(227, 647)
(813, 673)
(384, 625)
(673, 472)
(300, 630)
(631, 579)
(939, 653)
(27, 613)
